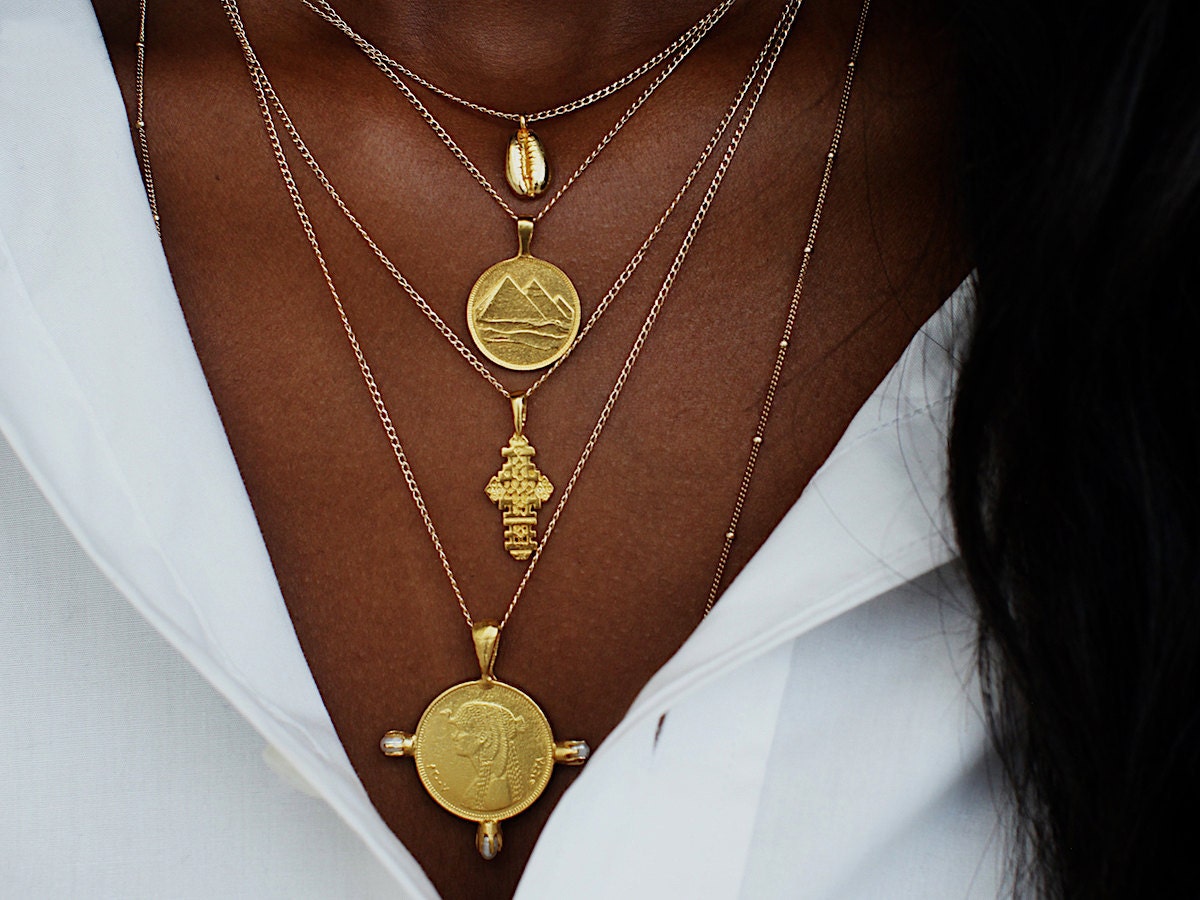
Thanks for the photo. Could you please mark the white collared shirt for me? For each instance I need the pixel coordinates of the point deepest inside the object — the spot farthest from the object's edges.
(161, 735)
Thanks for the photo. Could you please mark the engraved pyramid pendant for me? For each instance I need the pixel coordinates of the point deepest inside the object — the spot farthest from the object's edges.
(519, 489)
(483, 748)
(523, 312)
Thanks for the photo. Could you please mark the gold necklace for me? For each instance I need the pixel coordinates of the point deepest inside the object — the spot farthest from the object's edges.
(484, 749)
(519, 489)
(526, 167)
(522, 312)
(485, 712)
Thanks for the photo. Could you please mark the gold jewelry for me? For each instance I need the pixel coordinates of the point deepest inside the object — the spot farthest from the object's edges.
(140, 122)
(518, 536)
(526, 168)
(789, 323)
(499, 730)
(519, 489)
(523, 312)
(540, 333)
(483, 749)
(511, 772)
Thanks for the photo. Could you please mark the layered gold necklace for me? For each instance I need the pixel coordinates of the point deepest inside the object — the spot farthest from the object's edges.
(526, 166)
(483, 749)
(519, 488)
(523, 313)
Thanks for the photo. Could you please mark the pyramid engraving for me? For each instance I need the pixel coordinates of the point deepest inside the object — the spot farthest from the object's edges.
(529, 316)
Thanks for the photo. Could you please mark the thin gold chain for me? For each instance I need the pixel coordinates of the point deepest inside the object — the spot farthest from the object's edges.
(265, 107)
(424, 306)
(326, 11)
(385, 65)
(793, 306)
(140, 122)
(780, 356)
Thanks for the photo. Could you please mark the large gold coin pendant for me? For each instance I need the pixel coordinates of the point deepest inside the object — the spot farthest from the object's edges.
(523, 312)
(483, 748)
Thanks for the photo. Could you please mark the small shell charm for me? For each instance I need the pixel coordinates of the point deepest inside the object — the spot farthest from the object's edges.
(526, 168)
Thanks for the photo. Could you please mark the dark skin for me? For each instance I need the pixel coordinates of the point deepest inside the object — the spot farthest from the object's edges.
(626, 576)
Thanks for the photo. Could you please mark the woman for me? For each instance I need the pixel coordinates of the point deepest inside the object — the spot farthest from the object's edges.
(818, 734)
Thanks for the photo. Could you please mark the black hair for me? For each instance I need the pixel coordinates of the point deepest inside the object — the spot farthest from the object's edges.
(1075, 462)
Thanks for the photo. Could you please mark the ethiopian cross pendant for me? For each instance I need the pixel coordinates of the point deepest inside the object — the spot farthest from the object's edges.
(519, 488)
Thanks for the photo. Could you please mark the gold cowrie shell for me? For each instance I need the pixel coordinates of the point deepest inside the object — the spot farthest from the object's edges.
(525, 167)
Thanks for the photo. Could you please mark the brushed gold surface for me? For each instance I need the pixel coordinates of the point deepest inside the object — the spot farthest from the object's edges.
(523, 312)
(483, 748)
(519, 489)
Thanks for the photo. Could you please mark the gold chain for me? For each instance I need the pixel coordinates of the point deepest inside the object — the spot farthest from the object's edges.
(376, 395)
(326, 11)
(423, 305)
(793, 306)
(260, 85)
(386, 65)
(140, 123)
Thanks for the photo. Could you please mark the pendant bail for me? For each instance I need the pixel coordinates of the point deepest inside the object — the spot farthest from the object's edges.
(486, 635)
(524, 236)
(518, 408)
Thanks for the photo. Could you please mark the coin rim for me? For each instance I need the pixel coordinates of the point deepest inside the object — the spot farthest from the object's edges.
(483, 348)
(462, 812)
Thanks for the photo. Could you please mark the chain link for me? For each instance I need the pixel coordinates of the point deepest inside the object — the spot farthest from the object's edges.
(385, 418)
(789, 324)
(426, 308)
(776, 42)
(326, 11)
(140, 122)
(769, 56)
(388, 67)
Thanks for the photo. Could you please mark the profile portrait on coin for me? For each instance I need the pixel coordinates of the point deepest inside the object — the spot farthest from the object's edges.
(483, 733)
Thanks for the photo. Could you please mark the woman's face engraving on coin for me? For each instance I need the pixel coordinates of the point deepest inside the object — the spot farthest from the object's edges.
(482, 733)
(484, 750)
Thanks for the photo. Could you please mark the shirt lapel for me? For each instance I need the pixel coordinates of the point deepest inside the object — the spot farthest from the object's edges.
(103, 399)
(873, 517)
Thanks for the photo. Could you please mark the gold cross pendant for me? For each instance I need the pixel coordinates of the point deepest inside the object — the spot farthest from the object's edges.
(519, 489)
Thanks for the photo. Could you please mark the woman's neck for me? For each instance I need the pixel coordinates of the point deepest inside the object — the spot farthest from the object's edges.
(522, 56)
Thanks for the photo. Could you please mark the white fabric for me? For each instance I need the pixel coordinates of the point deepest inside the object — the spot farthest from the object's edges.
(161, 734)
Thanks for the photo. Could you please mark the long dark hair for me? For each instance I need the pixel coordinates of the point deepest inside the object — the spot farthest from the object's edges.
(1075, 464)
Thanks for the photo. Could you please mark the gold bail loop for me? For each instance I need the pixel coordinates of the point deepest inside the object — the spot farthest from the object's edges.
(518, 407)
(486, 634)
(524, 236)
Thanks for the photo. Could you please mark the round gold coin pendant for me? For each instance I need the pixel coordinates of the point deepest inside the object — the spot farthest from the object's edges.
(484, 750)
(523, 312)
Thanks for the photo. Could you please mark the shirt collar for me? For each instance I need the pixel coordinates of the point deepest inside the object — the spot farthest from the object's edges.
(871, 518)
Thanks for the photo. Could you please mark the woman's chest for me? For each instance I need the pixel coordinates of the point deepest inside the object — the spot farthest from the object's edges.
(385, 548)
